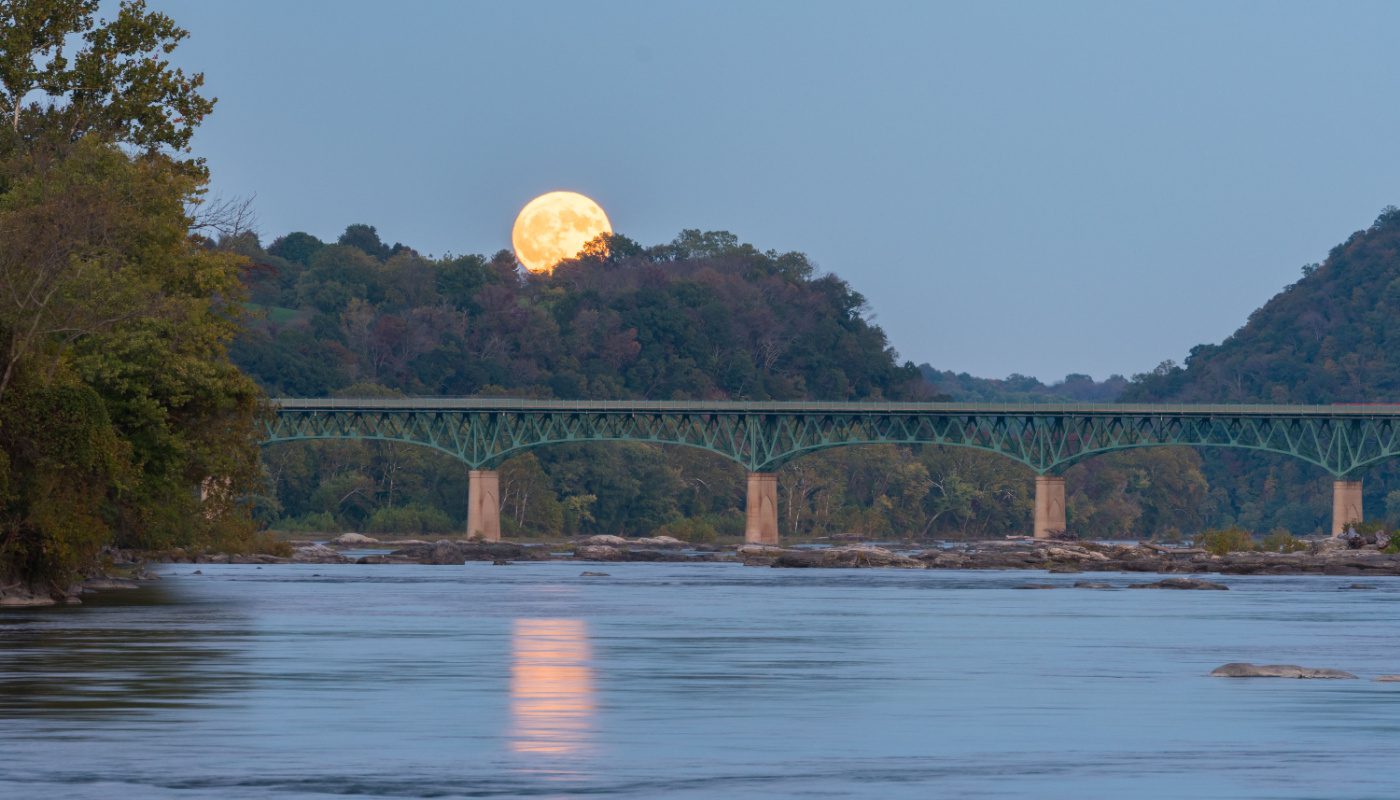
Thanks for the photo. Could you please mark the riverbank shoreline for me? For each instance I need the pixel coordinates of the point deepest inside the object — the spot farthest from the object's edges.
(1322, 557)
(123, 572)
(130, 570)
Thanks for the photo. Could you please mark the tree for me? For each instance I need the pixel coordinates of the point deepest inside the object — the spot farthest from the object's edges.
(66, 75)
(122, 419)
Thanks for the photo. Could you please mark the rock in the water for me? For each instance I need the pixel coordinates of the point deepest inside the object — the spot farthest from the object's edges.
(1388, 678)
(317, 554)
(607, 553)
(658, 541)
(353, 540)
(763, 550)
(598, 553)
(103, 584)
(1074, 554)
(938, 559)
(448, 552)
(1092, 585)
(501, 562)
(859, 556)
(1359, 586)
(587, 574)
(1243, 670)
(606, 540)
(1035, 586)
(14, 597)
(384, 560)
(1180, 583)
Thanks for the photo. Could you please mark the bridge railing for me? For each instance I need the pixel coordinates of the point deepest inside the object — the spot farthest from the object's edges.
(866, 407)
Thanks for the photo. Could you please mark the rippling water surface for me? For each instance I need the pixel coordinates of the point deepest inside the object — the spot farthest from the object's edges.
(695, 680)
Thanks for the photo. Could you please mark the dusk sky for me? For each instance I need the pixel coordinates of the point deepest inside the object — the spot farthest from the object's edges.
(1040, 188)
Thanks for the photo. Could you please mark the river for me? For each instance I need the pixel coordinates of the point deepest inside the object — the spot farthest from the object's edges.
(695, 680)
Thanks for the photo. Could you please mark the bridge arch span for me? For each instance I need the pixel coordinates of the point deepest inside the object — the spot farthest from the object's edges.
(762, 437)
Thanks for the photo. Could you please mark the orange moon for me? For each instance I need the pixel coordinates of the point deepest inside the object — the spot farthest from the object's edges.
(554, 227)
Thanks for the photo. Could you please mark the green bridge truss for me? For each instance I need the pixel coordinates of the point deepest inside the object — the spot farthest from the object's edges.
(765, 436)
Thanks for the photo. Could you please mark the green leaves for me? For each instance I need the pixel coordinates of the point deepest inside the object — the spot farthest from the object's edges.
(64, 74)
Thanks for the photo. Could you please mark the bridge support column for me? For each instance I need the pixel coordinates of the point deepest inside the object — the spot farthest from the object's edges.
(1346, 505)
(761, 509)
(1049, 505)
(484, 505)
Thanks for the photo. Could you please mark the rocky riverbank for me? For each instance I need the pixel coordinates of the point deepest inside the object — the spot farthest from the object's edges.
(1323, 557)
(121, 572)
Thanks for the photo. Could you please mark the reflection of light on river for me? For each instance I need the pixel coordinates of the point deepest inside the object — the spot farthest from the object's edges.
(551, 686)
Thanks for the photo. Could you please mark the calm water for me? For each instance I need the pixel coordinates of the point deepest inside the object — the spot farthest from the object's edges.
(695, 680)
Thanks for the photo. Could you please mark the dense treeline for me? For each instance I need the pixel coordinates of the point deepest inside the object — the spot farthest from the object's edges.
(703, 316)
(1075, 388)
(122, 420)
(1329, 338)
(1326, 339)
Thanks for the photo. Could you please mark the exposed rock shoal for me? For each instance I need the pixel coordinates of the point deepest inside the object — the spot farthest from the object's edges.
(1180, 583)
(605, 553)
(449, 552)
(860, 556)
(1324, 558)
(1244, 670)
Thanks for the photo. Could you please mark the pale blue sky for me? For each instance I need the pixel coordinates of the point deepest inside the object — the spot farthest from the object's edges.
(1040, 188)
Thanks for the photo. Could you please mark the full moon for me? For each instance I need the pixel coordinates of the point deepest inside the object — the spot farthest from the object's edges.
(554, 227)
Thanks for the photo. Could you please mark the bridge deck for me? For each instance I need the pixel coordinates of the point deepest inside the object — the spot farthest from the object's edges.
(1391, 410)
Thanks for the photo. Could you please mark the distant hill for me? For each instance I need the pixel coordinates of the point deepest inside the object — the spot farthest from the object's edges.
(1332, 337)
(702, 317)
(1075, 388)
(705, 316)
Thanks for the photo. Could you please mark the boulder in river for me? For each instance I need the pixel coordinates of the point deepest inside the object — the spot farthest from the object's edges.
(859, 556)
(1092, 585)
(658, 541)
(103, 584)
(606, 540)
(353, 540)
(597, 552)
(317, 554)
(22, 597)
(449, 552)
(1244, 670)
(1180, 583)
(1388, 678)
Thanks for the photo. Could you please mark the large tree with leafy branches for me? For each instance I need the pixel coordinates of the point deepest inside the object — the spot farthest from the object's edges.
(122, 420)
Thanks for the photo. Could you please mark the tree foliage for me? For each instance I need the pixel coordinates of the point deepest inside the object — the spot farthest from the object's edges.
(65, 74)
(122, 420)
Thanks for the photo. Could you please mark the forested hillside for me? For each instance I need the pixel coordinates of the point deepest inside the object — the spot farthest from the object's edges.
(1075, 388)
(705, 316)
(1331, 337)
(701, 317)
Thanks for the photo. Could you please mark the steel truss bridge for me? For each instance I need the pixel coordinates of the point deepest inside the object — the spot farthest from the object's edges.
(763, 436)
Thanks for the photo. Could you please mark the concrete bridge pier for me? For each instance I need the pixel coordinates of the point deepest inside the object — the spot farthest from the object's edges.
(1049, 505)
(1346, 505)
(484, 505)
(761, 509)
